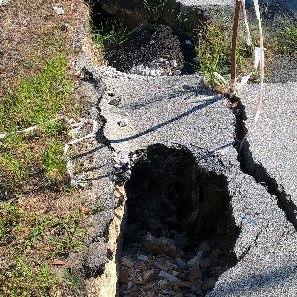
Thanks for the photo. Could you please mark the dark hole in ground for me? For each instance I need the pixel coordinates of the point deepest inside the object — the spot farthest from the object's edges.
(179, 232)
(141, 47)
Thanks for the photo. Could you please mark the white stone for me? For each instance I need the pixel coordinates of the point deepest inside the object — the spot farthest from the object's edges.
(173, 63)
(58, 9)
(123, 122)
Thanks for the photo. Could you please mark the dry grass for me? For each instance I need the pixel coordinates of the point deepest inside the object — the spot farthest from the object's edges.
(29, 34)
(42, 219)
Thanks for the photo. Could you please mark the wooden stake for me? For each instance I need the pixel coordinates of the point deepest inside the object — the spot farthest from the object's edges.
(238, 7)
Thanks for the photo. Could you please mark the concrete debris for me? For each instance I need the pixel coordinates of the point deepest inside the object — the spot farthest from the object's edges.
(58, 9)
(123, 122)
(160, 271)
(160, 67)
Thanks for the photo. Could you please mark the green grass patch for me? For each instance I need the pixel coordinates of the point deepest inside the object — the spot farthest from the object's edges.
(40, 99)
(28, 241)
(110, 33)
(15, 159)
(22, 280)
(214, 51)
(286, 39)
(26, 158)
(54, 161)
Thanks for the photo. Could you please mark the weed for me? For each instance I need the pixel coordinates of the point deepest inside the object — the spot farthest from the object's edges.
(39, 99)
(21, 279)
(162, 11)
(110, 33)
(15, 159)
(72, 280)
(287, 39)
(54, 128)
(98, 208)
(213, 51)
(54, 161)
(28, 240)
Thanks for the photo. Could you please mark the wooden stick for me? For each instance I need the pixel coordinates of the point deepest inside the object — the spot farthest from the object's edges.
(238, 7)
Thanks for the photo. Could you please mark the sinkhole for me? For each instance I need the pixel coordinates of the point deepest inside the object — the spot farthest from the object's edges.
(179, 232)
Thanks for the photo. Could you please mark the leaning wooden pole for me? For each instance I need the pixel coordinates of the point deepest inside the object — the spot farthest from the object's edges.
(238, 7)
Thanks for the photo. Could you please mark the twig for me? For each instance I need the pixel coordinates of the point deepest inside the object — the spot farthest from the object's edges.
(247, 28)
(35, 127)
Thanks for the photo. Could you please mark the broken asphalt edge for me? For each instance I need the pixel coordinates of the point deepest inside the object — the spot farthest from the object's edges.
(246, 246)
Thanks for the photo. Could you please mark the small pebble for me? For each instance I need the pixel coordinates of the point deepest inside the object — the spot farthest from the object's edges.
(142, 257)
(123, 122)
(173, 63)
(58, 9)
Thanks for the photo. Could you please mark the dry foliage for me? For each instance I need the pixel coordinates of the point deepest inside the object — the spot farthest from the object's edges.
(30, 32)
(41, 221)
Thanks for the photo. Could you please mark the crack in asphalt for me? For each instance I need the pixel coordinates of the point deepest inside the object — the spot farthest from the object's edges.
(257, 171)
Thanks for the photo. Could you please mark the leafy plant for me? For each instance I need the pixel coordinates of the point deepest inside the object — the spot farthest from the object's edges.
(287, 39)
(111, 33)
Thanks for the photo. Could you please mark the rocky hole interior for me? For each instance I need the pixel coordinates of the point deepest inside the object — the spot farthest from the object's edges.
(179, 232)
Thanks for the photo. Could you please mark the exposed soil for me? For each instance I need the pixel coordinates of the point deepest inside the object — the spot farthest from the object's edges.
(179, 232)
(150, 45)
(140, 47)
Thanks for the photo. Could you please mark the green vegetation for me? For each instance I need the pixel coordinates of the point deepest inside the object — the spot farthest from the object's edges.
(54, 161)
(39, 99)
(213, 51)
(214, 47)
(29, 241)
(286, 39)
(31, 164)
(110, 33)
(22, 280)
(25, 157)
(15, 160)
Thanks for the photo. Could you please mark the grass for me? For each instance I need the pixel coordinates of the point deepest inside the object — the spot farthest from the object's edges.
(38, 99)
(29, 241)
(24, 159)
(213, 51)
(286, 39)
(15, 160)
(40, 217)
(23, 280)
(214, 47)
(54, 161)
(110, 33)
